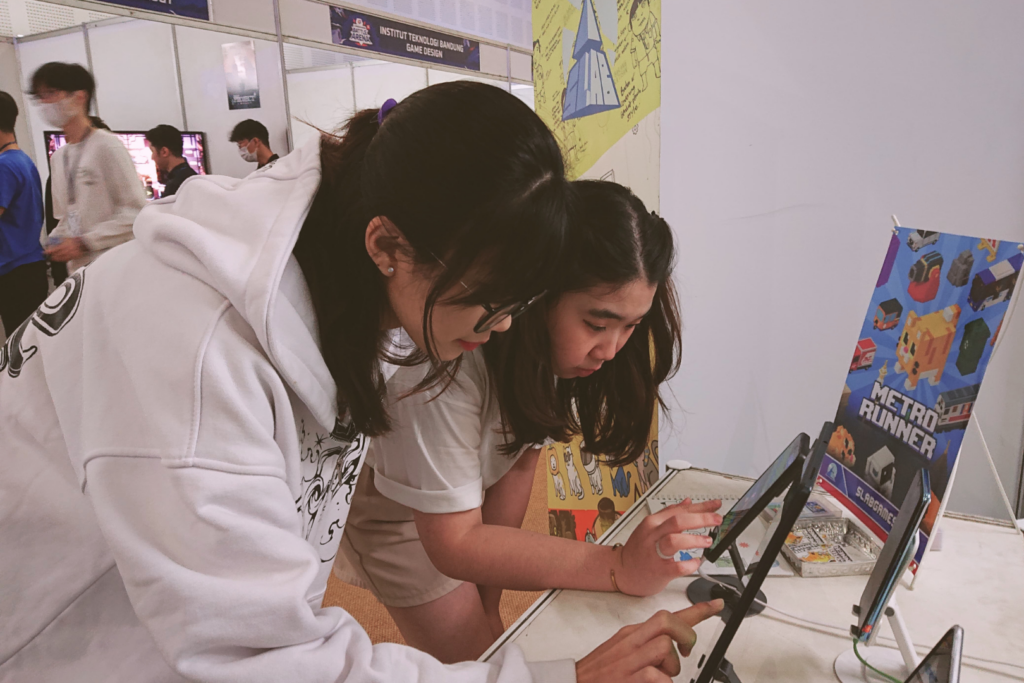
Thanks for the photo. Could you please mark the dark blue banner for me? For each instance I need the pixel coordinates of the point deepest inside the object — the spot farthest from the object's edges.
(385, 36)
(193, 9)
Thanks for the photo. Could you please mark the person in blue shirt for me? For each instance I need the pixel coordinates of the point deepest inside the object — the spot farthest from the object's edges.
(23, 283)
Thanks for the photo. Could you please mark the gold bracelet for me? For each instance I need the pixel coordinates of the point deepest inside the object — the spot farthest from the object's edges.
(615, 585)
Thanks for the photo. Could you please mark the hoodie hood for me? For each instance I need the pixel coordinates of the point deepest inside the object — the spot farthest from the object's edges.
(237, 237)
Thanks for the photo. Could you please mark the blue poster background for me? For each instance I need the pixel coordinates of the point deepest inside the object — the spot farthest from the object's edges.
(193, 9)
(377, 34)
(915, 373)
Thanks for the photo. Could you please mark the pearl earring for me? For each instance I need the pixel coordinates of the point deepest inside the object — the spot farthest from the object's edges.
(390, 270)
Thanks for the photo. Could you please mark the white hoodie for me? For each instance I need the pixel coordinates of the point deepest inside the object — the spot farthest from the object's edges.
(173, 485)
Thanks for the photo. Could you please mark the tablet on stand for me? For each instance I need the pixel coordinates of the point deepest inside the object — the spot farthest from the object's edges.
(799, 475)
(878, 598)
(786, 469)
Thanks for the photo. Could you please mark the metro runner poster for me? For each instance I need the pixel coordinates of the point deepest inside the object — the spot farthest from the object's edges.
(916, 370)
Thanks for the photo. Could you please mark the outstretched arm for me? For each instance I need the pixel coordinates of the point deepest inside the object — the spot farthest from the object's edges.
(463, 547)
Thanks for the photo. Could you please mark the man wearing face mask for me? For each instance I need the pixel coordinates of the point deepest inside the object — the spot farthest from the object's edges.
(253, 142)
(96, 190)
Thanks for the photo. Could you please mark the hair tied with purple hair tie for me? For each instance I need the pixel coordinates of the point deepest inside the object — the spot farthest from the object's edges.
(385, 109)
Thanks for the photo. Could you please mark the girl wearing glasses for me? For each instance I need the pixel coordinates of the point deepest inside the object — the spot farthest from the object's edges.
(183, 420)
(434, 526)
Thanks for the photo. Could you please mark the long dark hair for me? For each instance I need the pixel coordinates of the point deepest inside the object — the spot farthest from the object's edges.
(614, 240)
(468, 174)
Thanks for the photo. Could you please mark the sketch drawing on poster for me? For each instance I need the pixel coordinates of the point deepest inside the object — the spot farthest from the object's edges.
(646, 51)
(929, 333)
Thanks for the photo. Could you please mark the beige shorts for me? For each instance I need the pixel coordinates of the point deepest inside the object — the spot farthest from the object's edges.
(381, 551)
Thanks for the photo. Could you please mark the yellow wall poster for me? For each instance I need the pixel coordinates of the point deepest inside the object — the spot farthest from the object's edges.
(596, 72)
(597, 85)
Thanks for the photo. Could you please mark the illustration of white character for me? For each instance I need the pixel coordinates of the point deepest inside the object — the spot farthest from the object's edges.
(646, 51)
(555, 474)
(593, 469)
(575, 486)
(881, 471)
(647, 468)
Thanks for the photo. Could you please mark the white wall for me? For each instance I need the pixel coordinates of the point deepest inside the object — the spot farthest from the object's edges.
(10, 82)
(790, 132)
(136, 84)
(323, 98)
(206, 100)
(379, 81)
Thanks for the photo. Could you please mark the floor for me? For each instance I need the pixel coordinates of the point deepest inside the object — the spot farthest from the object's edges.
(378, 623)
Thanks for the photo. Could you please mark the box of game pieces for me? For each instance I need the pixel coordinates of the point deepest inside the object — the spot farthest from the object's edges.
(831, 547)
(818, 508)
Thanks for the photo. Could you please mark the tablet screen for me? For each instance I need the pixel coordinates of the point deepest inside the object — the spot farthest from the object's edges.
(762, 486)
(943, 662)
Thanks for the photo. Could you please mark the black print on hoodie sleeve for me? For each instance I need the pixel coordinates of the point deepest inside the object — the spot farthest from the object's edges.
(330, 467)
(50, 318)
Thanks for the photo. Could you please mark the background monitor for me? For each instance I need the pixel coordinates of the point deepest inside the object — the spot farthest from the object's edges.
(194, 152)
(895, 556)
(942, 664)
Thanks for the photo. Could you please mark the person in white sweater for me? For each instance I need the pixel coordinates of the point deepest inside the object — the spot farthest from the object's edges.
(95, 187)
(184, 420)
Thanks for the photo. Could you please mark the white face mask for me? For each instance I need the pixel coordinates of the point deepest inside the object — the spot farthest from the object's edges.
(58, 113)
(246, 154)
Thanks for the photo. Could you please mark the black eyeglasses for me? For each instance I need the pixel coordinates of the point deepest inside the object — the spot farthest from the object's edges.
(495, 316)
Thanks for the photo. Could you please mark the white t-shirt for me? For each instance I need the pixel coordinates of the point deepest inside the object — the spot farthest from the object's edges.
(443, 450)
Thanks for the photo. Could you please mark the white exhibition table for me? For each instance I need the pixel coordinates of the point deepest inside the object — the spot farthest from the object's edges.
(976, 581)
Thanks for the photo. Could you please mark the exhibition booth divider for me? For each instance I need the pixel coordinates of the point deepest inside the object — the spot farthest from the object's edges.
(284, 64)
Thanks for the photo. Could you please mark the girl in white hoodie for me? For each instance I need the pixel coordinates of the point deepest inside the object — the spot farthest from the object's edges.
(182, 422)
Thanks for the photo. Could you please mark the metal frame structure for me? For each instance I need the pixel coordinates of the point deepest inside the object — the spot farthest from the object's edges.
(128, 13)
(212, 25)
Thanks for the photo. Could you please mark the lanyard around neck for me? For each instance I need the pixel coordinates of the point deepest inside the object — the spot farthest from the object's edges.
(12, 142)
(71, 171)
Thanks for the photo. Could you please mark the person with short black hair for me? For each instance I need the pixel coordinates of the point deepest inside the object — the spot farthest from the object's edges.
(23, 282)
(166, 147)
(96, 189)
(253, 140)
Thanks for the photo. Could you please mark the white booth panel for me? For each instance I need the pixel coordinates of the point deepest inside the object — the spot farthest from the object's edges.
(65, 48)
(255, 15)
(522, 66)
(304, 19)
(376, 83)
(438, 76)
(133, 63)
(206, 99)
(493, 60)
(790, 132)
(323, 98)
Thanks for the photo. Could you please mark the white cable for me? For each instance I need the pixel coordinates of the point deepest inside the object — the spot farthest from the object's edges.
(845, 631)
